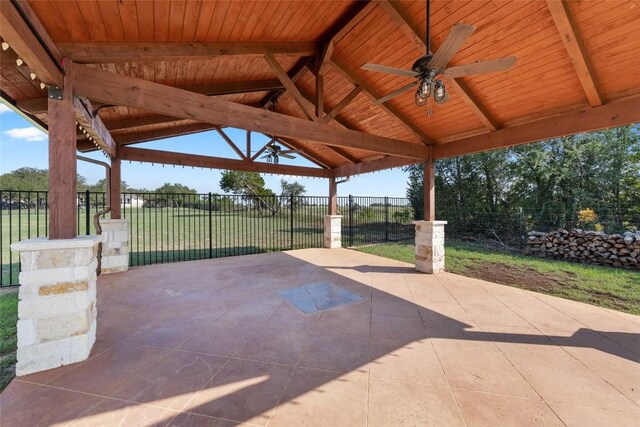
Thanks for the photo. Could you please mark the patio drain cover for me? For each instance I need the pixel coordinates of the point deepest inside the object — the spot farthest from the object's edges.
(318, 296)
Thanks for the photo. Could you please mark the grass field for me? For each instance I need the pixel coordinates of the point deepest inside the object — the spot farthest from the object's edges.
(603, 286)
(8, 339)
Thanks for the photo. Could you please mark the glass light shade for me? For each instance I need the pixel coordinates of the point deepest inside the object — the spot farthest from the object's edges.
(420, 101)
(440, 93)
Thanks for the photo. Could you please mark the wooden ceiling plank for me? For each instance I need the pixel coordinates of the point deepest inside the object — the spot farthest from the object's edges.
(107, 87)
(100, 53)
(390, 110)
(181, 159)
(231, 144)
(289, 86)
(577, 53)
(94, 126)
(400, 17)
(18, 33)
(615, 113)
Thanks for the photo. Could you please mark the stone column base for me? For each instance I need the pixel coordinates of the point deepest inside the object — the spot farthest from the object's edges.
(57, 302)
(430, 246)
(333, 231)
(115, 245)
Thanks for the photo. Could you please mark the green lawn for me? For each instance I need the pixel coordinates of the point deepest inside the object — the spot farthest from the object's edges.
(602, 286)
(8, 339)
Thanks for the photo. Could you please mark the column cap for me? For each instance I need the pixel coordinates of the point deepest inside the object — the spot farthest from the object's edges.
(422, 222)
(113, 221)
(333, 216)
(42, 243)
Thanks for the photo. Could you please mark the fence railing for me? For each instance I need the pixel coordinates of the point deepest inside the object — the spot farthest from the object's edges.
(182, 227)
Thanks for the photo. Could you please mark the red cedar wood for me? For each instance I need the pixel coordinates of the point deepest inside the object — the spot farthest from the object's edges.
(115, 188)
(62, 163)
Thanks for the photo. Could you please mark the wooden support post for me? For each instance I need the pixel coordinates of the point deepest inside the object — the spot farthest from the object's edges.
(429, 190)
(333, 197)
(248, 156)
(319, 96)
(63, 199)
(115, 188)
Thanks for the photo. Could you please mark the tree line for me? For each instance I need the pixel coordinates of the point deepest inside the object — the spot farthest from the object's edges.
(550, 181)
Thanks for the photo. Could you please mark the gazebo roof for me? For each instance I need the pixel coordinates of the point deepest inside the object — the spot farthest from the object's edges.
(577, 69)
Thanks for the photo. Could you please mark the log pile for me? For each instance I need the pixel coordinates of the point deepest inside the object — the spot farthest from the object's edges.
(588, 247)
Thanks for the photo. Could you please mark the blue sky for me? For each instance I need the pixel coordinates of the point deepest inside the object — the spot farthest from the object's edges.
(23, 145)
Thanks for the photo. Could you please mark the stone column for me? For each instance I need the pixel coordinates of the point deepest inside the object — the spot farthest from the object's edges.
(333, 231)
(115, 245)
(57, 302)
(430, 246)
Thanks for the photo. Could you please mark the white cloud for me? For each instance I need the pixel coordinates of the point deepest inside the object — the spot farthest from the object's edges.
(28, 134)
(4, 108)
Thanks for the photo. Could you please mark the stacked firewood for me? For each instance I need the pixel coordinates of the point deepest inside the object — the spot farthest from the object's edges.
(589, 247)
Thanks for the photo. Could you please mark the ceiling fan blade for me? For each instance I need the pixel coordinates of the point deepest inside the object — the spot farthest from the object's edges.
(454, 41)
(289, 152)
(389, 70)
(288, 156)
(265, 156)
(480, 67)
(395, 93)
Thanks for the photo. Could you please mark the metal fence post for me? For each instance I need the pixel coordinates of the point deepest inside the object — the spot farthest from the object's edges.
(291, 198)
(386, 219)
(210, 229)
(87, 213)
(350, 220)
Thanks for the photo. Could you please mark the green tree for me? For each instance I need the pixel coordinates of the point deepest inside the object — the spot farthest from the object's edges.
(294, 189)
(252, 188)
(174, 195)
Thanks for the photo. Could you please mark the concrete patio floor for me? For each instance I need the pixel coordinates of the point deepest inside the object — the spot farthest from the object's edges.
(212, 343)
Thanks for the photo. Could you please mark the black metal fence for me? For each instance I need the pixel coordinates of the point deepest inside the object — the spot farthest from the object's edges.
(181, 227)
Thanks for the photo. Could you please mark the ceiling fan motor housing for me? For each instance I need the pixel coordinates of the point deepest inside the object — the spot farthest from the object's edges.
(420, 66)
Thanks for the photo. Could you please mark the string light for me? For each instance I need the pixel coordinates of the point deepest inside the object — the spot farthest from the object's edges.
(5, 45)
(19, 62)
(32, 75)
(42, 85)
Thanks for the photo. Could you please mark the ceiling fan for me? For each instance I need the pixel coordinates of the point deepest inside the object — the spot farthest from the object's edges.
(426, 68)
(274, 152)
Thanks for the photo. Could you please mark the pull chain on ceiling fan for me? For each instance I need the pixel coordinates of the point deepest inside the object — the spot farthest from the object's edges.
(426, 68)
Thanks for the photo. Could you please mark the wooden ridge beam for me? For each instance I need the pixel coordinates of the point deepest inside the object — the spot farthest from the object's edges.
(111, 88)
(112, 52)
(390, 110)
(577, 53)
(616, 113)
(43, 60)
(399, 16)
(94, 126)
(289, 86)
(181, 159)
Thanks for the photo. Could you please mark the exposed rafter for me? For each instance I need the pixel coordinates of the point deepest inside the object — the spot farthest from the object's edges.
(231, 144)
(289, 86)
(572, 42)
(400, 17)
(94, 126)
(316, 159)
(616, 113)
(342, 104)
(107, 87)
(112, 52)
(181, 159)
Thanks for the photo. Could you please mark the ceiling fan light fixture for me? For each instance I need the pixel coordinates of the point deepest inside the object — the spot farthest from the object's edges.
(425, 89)
(440, 92)
(420, 100)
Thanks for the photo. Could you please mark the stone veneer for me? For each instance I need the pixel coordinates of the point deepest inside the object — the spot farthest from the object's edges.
(57, 302)
(333, 231)
(115, 246)
(430, 246)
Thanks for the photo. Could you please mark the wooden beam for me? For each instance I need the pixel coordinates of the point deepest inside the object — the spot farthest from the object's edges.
(39, 105)
(114, 52)
(296, 72)
(371, 93)
(616, 113)
(325, 56)
(342, 104)
(171, 158)
(115, 190)
(231, 144)
(93, 125)
(319, 96)
(248, 147)
(429, 190)
(63, 202)
(289, 86)
(577, 53)
(398, 15)
(103, 86)
(347, 22)
(16, 31)
(368, 166)
(125, 124)
(322, 162)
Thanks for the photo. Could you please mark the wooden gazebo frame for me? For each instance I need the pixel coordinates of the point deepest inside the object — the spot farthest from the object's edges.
(115, 74)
